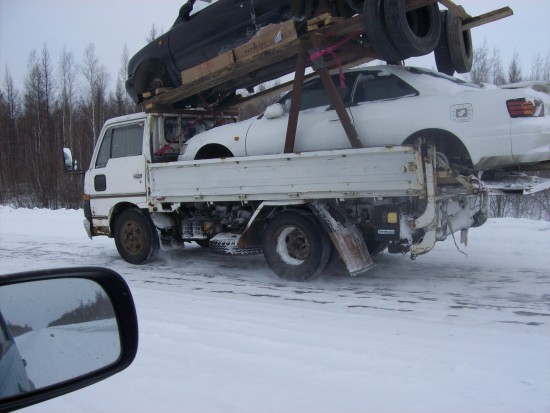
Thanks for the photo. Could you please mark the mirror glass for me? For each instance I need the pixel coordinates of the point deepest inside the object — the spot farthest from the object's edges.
(54, 330)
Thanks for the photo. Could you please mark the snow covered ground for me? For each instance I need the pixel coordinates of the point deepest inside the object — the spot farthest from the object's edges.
(444, 333)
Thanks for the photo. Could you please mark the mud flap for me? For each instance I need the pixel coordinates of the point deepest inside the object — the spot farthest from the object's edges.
(346, 238)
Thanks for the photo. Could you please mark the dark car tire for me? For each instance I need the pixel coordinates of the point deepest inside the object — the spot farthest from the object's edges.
(443, 60)
(415, 33)
(136, 238)
(150, 76)
(459, 43)
(294, 247)
(377, 32)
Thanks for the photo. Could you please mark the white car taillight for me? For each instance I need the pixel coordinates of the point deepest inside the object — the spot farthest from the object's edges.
(525, 107)
(183, 148)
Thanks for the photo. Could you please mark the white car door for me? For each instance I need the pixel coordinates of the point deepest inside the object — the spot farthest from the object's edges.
(319, 127)
(384, 109)
(118, 172)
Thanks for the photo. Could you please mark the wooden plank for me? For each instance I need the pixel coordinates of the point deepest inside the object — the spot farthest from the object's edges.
(209, 68)
(275, 61)
(324, 19)
(416, 4)
(455, 9)
(485, 18)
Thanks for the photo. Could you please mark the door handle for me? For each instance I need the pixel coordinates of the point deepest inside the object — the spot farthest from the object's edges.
(137, 176)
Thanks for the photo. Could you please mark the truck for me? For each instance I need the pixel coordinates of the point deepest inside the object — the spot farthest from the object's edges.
(298, 209)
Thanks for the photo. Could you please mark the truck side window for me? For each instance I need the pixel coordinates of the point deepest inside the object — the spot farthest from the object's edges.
(127, 141)
(104, 151)
(119, 142)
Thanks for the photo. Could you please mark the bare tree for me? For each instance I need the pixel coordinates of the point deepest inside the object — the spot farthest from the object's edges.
(124, 103)
(514, 70)
(497, 71)
(153, 34)
(481, 68)
(540, 68)
(67, 84)
(10, 156)
(96, 78)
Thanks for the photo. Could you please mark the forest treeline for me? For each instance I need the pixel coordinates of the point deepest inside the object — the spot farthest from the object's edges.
(64, 103)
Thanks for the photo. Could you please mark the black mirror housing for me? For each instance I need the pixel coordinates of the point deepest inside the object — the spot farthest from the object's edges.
(119, 294)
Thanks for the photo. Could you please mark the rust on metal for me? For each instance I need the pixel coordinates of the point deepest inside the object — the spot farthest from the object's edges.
(296, 98)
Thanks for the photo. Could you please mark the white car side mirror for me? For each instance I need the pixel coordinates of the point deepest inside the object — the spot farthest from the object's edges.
(274, 111)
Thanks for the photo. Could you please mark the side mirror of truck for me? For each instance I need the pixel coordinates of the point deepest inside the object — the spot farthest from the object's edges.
(69, 164)
(274, 111)
(61, 330)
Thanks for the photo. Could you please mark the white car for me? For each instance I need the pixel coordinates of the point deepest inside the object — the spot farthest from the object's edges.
(476, 127)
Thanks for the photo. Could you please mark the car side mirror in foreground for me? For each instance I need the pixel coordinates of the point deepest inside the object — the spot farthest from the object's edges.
(61, 330)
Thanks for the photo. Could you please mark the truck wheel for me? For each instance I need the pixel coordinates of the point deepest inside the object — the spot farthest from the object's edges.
(294, 247)
(377, 32)
(135, 237)
(460, 43)
(416, 32)
(443, 60)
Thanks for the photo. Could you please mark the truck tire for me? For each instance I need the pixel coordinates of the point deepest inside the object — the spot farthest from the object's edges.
(459, 43)
(135, 237)
(377, 32)
(295, 248)
(414, 33)
(443, 60)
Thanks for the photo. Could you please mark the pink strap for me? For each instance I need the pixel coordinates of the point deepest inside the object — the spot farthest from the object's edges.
(330, 50)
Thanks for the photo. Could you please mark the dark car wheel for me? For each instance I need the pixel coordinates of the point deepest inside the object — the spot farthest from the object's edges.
(416, 32)
(135, 237)
(151, 76)
(294, 247)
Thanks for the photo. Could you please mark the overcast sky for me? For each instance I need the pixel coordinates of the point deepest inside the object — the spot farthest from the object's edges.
(27, 25)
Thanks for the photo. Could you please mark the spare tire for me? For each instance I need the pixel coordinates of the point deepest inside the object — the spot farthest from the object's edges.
(443, 60)
(378, 34)
(416, 32)
(460, 43)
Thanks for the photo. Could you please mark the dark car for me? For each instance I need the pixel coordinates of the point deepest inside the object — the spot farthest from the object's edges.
(196, 38)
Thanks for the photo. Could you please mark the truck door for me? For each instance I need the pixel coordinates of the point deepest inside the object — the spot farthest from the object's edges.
(118, 171)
